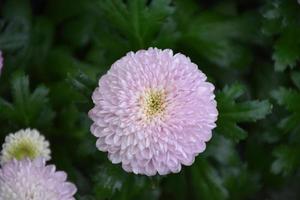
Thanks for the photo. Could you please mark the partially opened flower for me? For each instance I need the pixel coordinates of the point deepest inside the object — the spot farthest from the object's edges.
(153, 112)
(28, 143)
(34, 180)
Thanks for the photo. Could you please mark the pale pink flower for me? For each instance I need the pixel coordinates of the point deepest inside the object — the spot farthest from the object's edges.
(34, 180)
(153, 112)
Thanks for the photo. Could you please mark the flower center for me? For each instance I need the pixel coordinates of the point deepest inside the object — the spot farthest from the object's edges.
(22, 150)
(154, 103)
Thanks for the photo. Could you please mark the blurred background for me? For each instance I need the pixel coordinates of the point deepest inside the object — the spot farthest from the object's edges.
(55, 51)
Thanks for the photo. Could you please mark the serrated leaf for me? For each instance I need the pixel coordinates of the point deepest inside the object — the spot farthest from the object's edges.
(290, 100)
(214, 37)
(231, 130)
(282, 19)
(113, 183)
(109, 181)
(206, 182)
(287, 156)
(231, 112)
(15, 25)
(234, 92)
(287, 49)
(27, 109)
(287, 159)
(283, 13)
(137, 21)
(14, 34)
(238, 179)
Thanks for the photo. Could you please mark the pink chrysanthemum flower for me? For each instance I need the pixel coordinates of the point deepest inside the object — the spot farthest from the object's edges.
(34, 180)
(153, 112)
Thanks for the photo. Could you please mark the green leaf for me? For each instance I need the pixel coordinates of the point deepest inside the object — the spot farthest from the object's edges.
(109, 181)
(287, 155)
(135, 20)
(15, 25)
(287, 49)
(290, 100)
(112, 182)
(282, 19)
(287, 159)
(14, 35)
(206, 182)
(231, 113)
(27, 109)
(238, 179)
(223, 151)
(218, 38)
(240, 182)
(280, 14)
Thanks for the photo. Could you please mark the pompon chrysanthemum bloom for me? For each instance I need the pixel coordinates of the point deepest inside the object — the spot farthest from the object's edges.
(25, 143)
(34, 180)
(153, 112)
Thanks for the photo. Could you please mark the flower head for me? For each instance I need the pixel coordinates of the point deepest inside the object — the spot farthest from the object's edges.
(153, 112)
(28, 143)
(34, 180)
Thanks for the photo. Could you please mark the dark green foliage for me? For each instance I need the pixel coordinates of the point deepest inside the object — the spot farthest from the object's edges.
(216, 37)
(232, 112)
(282, 18)
(288, 154)
(290, 99)
(27, 109)
(287, 159)
(250, 50)
(137, 22)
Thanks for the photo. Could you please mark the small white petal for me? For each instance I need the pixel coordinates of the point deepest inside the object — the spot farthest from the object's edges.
(28, 143)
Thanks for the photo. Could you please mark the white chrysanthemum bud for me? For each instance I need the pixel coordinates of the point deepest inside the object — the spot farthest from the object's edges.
(28, 143)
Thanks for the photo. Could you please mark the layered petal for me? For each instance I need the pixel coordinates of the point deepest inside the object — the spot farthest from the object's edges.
(153, 112)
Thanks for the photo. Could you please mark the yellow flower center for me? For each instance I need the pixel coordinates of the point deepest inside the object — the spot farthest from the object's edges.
(24, 149)
(154, 103)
